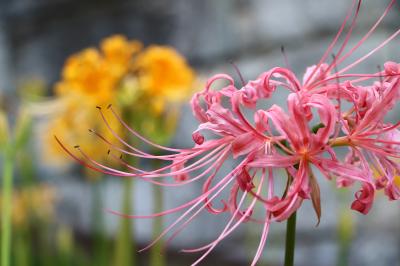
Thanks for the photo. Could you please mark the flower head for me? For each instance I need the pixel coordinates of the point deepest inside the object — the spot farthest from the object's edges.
(96, 73)
(299, 140)
(157, 69)
(136, 80)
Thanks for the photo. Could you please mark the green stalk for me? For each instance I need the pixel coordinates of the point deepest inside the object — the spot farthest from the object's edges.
(156, 256)
(100, 245)
(290, 240)
(125, 248)
(345, 229)
(21, 247)
(7, 202)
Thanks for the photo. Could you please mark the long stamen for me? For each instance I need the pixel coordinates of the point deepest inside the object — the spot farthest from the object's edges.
(138, 153)
(361, 77)
(221, 236)
(394, 35)
(183, 206)
(366, 36)
(136, 134)
(227, 230)
(217, 160)
(226, 180)
(330, 47)
(229, 223)
(263, 238)
(346, 40)
(338, 98)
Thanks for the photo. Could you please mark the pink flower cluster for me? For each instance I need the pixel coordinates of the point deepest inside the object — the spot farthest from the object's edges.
(330, 108)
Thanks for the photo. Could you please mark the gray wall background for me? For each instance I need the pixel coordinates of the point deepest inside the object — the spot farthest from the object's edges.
(37, 35)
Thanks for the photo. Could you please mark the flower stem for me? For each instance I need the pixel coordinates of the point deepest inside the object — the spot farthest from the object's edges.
(156, 256)
(345, 229)
(6, 213)
(290, 240)
(100, 247)
(125, 248)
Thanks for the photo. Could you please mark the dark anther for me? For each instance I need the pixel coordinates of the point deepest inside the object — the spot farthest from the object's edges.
(76, 146)
(120, 156)
(336, 69)
(380, 71)
(108, 152)
(98, 107)
(109, 106)
(91, 130)
(285, 58)
(238, 72)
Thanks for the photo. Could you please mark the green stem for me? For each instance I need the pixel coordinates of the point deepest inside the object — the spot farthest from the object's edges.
(6, 213)
(345, 229)
(290, 240)
(156, 258)
(21, 247)
(125, 249)
(100, 246)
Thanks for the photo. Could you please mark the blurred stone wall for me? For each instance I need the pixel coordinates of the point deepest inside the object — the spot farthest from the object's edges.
(36, 36)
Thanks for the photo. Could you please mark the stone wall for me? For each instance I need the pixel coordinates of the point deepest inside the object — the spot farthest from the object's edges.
(36, 37)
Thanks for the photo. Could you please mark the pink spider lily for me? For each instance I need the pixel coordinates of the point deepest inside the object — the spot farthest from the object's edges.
(296, 141)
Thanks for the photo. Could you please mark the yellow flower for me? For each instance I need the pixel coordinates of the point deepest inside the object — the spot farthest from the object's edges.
(397, 180)
(33, 203)
(97, 73)
(90, 78)
(377, 175)
(86, 73)
(118, 52)
(164, 75)
(71, 124)
(145, 86)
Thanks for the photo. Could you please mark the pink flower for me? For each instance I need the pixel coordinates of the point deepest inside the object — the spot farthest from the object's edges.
(305, 135)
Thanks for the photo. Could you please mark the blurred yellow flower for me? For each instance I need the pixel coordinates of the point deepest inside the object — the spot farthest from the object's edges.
(76, 116)
(397, 180)
(164, 76)
(118, 52)
(146, 86)
(90, 78)
(377, 175)
(33, 203)
(97, 73)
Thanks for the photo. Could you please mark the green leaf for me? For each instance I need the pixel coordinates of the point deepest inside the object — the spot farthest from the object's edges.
(317, 127)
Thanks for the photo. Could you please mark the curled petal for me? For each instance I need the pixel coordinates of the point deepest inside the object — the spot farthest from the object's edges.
(364, 199)
(248, 97)
(313, 75)
(392, 191)
(391, 68)
(283, 209)
(197, 110)
(244, 180)
(216, 77)
(198, 138)
(261, 120)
